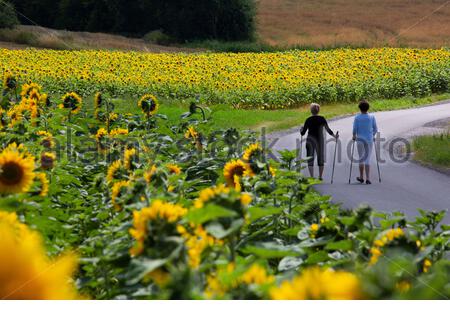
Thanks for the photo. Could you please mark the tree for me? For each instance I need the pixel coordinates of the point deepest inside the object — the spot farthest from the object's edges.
(8, 17)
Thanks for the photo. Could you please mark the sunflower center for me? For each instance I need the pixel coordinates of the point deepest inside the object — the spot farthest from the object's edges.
(11, 173)
(238, 171)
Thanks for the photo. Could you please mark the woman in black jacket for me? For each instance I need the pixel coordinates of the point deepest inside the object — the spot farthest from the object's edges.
(315, 142)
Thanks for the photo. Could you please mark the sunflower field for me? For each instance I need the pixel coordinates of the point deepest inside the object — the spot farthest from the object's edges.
(97, 204)
(257, 80)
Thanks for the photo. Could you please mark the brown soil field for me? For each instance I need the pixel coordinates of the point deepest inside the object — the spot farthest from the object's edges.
(329, 23)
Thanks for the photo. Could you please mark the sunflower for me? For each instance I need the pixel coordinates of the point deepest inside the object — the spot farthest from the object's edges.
(16, 170)
(116, 192)
(42, 177)
(9, 82)
(47, 160)
(272, 171)
(158, 210)
(113, 169)
(208, 194)
(197, 241)
(252, 155)
(317, 283)
(234, 170)
(48, 142)
(101, 133)
(254, 150)
(191, 133)
(174, 169)
(98, 99)
(71, 101)
(129, 157)
(45, 100)
(28, 87)
(150, 173)
(148, 104)
(34, 95)
(26, 271)
(113, 116)
(118, 132)
(15, 115)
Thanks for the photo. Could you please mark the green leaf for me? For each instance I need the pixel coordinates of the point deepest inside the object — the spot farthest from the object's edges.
(142, 267)
(317, 257)
(258, 213)
(271, 250)
(208, 213)
(289, 263)
(218, 231)
(343, 245)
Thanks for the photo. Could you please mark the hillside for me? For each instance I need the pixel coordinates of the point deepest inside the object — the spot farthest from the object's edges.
(40, 37)
(423, 23)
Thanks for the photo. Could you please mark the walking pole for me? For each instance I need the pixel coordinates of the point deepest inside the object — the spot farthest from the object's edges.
(378, 164)
(334, 160)
(301, 146)
(351, 165)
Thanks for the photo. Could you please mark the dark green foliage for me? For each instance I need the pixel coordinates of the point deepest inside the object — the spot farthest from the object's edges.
(8, 17)
(228, 20)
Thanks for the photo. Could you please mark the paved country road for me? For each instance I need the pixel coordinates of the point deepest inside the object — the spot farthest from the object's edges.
(405, 186)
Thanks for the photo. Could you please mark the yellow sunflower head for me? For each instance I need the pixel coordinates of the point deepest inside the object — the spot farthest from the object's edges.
(159, 210)
(9, 82)
(149, 104)
(174, 169)
(16, 170)
(191, 133)
(234, 170)
(72, 101)
(117, 191)
(42, 177)
(113, 170)
(98, 99)
(130, 156)
(28, 87)
(253, 151)
(45, 100)
(118, 132)
(34, 95)
(101, 133)
(47, 160)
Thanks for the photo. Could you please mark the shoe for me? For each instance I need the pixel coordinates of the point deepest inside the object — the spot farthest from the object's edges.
(368, 182)
(321, 179)
(360, 180)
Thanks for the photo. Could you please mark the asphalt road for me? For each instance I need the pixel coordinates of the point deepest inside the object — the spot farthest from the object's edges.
(405, 186)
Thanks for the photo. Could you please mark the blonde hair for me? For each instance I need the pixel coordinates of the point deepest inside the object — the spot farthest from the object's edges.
(315, 108)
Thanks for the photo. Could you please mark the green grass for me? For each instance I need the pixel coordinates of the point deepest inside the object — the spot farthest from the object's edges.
(433, 150)
(258, 46)
(225, 116)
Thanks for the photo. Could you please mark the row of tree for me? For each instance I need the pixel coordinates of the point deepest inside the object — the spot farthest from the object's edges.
(181, 19)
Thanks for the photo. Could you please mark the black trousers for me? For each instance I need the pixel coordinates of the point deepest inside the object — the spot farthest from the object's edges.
(315, 148)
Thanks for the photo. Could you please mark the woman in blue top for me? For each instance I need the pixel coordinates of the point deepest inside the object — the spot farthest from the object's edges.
(364, 131)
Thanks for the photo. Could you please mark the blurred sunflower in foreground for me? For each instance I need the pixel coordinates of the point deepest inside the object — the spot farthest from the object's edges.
(318, 284)
(26, 273)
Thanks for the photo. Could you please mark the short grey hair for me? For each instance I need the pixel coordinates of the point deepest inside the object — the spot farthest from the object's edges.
(315, 108)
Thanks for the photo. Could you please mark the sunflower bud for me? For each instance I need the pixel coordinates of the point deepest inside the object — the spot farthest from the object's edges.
(47, 160)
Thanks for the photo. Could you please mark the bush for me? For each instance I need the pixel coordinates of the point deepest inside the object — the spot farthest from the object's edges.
(158, 37)
(8, 17)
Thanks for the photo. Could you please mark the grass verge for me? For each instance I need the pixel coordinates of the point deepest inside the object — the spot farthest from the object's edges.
(433, 150)
(274, 120)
